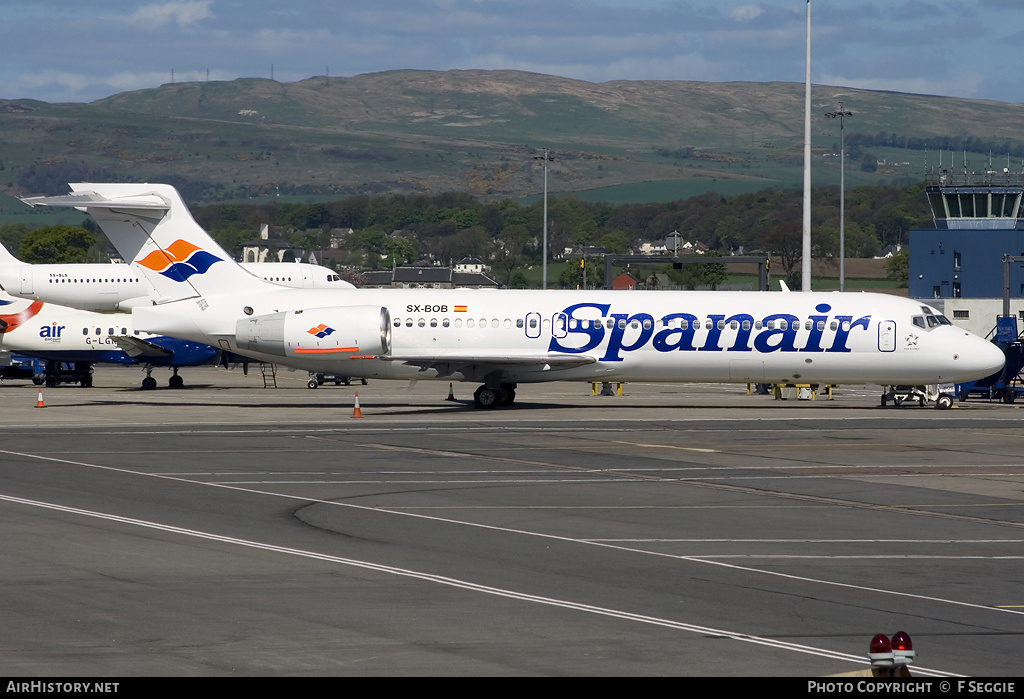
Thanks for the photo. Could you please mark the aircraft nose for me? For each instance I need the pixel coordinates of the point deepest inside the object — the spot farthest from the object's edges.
(979, 357)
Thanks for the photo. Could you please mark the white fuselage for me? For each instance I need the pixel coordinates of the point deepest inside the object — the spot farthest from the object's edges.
(625, 335)
(56, 332)
(509, 336)
(116, 287)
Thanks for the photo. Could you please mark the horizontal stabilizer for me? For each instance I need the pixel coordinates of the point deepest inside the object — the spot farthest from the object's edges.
(92, 200)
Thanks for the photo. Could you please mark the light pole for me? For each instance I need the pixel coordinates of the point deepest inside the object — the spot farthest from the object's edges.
(840, 114)
(805, 260)
(544, 267)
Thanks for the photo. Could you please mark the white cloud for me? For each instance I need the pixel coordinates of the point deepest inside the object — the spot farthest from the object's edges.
(181, 13)
(786, 39)
(745, 13)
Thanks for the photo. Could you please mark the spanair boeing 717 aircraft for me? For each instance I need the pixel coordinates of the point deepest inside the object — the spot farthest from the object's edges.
(506, 337)
(115, 287)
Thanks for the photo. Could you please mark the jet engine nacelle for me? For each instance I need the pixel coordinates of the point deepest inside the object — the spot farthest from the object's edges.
(329, 333)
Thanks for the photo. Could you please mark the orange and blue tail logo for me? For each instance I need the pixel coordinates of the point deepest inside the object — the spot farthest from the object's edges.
(179, 261)
(321, 330)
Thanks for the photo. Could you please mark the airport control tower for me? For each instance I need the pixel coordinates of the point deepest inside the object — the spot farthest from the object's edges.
(958, 264)
(979, 217)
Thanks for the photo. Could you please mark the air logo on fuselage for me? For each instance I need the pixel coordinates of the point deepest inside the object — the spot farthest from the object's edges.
(777, 332)
(51, 332)
(179, 261)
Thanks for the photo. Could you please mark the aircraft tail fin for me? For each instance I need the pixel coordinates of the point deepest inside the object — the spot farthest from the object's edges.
(783, 286)
(152, 228)
(6, 258)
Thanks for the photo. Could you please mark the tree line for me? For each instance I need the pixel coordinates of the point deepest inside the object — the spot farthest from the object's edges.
(378, 231)
(971, 144)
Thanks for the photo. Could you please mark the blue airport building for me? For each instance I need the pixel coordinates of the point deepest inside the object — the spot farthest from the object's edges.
(978, 220)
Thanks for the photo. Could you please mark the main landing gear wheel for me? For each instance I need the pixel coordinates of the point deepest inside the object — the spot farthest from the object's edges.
(487, 398)
(175, 381)
(149, 383)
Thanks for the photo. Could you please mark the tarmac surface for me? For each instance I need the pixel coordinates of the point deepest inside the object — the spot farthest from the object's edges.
(227, 529)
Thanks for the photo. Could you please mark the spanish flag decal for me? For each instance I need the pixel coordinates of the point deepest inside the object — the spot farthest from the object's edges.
(460, 309)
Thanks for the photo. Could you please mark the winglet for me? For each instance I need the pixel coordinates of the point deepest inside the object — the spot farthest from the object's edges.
(782, 285)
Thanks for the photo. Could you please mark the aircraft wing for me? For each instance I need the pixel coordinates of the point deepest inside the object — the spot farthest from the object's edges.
(137, 348)
(447, 364)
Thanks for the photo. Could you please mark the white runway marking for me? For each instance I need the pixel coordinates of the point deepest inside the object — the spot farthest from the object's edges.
(465, 585)
(817, 541)
(523, 532)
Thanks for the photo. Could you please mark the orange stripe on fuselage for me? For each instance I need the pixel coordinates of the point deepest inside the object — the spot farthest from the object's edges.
(323, 351)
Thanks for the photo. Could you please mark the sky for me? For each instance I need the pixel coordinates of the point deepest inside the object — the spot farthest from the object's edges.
(60, 51)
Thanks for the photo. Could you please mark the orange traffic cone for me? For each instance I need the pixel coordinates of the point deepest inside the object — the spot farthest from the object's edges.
(451, 393)
(356, 412)
(39, 400)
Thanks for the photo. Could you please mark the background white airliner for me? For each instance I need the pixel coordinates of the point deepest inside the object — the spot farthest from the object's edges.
(77, 339)
(502, 338)
(116, 287)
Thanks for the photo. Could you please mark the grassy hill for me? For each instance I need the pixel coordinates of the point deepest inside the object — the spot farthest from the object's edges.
(476, 131)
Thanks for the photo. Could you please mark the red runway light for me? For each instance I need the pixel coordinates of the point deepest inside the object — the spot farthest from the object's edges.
(903, 648)
(880, 651)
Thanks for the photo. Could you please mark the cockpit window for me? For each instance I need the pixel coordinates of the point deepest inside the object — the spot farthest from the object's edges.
(919, 321)
(943, 320)
(932, 322)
